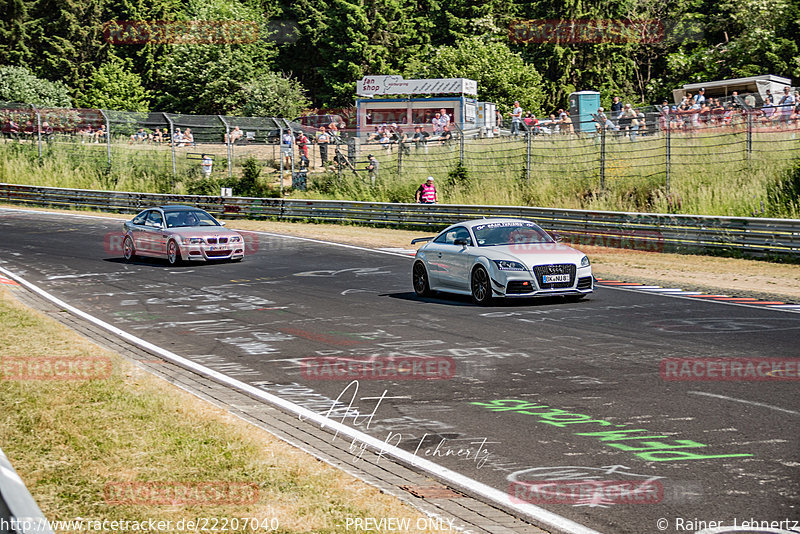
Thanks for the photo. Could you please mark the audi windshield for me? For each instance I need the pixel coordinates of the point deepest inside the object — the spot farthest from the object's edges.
(510, 233)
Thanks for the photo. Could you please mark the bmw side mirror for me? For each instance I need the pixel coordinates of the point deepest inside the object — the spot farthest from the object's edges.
(222, 223)
(558, 237)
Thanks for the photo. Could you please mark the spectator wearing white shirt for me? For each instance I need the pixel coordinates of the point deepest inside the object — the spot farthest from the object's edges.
(786, 105)
(516, 119)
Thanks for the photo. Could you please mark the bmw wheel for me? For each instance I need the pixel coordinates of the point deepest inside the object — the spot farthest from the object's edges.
(128, 252)
(481, 287)
(173, 253)
(421, 286)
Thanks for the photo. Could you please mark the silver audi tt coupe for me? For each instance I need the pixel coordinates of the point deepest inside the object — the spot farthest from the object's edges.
(488, 258)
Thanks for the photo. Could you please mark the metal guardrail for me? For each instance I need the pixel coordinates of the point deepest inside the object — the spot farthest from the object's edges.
(19, 513)
(747, 236)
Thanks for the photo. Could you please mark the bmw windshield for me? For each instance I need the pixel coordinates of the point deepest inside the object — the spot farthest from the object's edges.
(509, 233)
(189, 218)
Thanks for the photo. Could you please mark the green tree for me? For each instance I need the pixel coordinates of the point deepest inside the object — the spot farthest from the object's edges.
(14, 32)
(115, 86)
(341, 41)
(69, 40)
(210, 78)
(742, 38)
(18, 84)
(502, 75)
(273, 95)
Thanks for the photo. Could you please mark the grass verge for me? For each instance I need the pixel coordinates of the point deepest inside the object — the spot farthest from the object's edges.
(70, 440)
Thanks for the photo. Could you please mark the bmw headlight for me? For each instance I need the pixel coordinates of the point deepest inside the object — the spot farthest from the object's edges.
(195, 240)
(506, 265)
(235, 239)
(585, 261)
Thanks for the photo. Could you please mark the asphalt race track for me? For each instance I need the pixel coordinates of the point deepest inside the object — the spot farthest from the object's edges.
(523, 394)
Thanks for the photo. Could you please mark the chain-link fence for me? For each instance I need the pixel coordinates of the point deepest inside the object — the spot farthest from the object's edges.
(654, 147)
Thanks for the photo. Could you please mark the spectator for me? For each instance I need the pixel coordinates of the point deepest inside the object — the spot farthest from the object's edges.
(322, 140)
(499, 118)
(626, 117)
(750, 100)
(552, 122)
(47, 130)
(534, 124)
(100, 134)
(445, 118)
(565, 123)
(420, 138)
(333, 132)
(177, 137)
(206, 164)
(188, 137)
(663, 116)
(86, 132)
(386, 139)
(437, 123)
(700, 97)
(234, 136)
(29, 128)
(286, 149)
(528, 120)
(516, 118)
(302, 145)
(138, 136)
(376, 135)
(767, 111)
(157, 137)
(426, 193)
(616, 108)
(402, 139)
(372, 168)
(637, 123)
(786, 105)
(446, 135)
(11, 129)
(602, 120)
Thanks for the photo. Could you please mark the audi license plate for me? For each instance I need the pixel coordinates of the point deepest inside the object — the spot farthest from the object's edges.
(555, 278)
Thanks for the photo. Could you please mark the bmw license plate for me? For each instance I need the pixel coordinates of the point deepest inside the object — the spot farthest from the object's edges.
(555, 278)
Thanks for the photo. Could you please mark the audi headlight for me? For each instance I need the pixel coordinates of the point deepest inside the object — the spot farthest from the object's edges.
(195, 240)
(506, 265)
(585, 261)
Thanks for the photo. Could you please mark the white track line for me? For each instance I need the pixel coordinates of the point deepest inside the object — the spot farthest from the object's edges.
(500, 497)
(743, 401)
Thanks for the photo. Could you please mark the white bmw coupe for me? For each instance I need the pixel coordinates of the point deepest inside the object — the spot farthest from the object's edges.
(489, 258)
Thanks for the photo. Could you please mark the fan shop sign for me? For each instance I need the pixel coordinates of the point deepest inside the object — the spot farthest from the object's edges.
(396, 85)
